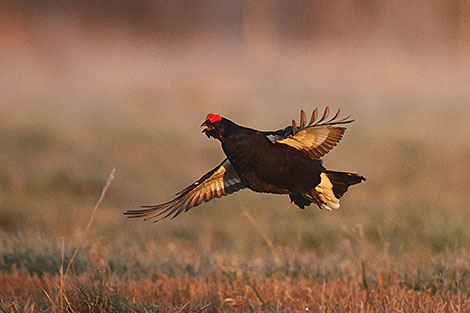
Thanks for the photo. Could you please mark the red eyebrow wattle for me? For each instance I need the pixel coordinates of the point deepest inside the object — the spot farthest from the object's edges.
(213, 118)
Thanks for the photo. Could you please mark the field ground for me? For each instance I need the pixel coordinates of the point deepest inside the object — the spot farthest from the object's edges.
(186, 280)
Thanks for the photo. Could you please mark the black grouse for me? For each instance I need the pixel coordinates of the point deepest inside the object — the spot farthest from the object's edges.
(286, 161)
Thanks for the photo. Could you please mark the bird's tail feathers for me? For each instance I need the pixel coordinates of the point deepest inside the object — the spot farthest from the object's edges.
(332, 187)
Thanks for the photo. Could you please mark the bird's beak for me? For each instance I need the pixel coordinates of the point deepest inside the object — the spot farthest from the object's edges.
(209, 127)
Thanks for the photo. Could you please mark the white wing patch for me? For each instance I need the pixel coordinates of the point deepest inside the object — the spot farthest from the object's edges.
(232, 182)
(273, 137)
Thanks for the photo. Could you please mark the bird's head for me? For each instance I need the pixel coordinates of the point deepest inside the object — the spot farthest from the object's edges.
(214, 126)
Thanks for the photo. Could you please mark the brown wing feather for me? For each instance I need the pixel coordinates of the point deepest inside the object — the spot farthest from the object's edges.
(221, 181)
(318, 137)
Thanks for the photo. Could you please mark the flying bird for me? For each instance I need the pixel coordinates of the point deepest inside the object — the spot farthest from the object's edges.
(286, 161)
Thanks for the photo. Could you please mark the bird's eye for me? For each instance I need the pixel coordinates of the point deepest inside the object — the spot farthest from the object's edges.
(217, 122)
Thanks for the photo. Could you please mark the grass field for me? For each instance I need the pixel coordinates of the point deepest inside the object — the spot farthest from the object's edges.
(399, 243)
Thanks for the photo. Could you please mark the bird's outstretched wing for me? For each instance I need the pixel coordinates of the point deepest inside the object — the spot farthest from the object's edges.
(221, 181)
(315, 138)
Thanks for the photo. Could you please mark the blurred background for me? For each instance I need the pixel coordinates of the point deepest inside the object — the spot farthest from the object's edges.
(89, 86)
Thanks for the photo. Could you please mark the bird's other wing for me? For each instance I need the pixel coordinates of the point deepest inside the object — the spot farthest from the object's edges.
(220, 181)
(315, 138)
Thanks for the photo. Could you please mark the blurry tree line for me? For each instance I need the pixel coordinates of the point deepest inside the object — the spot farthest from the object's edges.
(419, 22)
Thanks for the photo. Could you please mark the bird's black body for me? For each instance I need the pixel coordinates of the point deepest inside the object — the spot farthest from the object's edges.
(286, 161)
(264, 166)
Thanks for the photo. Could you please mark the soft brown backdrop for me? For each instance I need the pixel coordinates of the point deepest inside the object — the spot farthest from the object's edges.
(91, 86)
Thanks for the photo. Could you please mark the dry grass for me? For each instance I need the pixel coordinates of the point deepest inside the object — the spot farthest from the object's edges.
(244, 289)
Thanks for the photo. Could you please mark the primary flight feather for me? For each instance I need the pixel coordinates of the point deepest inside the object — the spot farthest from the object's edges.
(286, 161)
